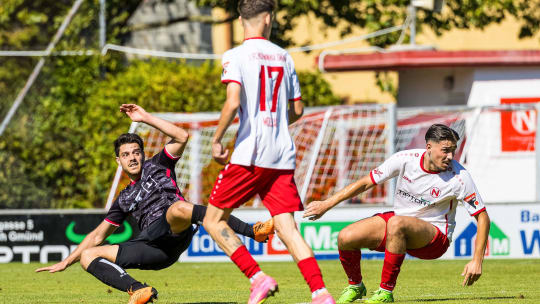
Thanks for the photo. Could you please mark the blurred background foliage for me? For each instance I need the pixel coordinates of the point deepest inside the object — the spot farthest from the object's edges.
(57, 151)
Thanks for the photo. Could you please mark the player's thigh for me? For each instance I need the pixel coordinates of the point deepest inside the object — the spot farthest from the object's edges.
(215, 214)
(280, 194)
(418, 233)
(179, 216)
(108, 252)
(366, 233)
(148, 256)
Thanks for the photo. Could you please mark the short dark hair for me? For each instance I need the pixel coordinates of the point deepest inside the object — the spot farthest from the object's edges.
(251, 8)
(440, 132)
(127, 138)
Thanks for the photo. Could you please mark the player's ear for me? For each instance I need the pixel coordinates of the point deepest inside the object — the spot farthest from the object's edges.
(118, 161)
(268, 18)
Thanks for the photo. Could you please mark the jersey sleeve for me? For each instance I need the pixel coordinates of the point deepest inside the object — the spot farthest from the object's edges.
(231, 68)
(385, 171)
(294, 93)
(469, 196)
(165, 159)
(115, 216)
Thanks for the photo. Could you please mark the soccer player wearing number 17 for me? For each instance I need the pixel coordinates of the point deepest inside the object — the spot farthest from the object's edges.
(263, 87)
(429, 185)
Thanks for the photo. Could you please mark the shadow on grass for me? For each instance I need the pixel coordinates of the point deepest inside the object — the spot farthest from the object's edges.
(466, 298)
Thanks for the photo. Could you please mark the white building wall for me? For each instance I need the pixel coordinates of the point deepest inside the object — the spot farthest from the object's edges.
(434, 86)
(499, 176)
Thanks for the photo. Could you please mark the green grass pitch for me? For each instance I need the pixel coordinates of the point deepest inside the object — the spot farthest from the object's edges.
(503, 281)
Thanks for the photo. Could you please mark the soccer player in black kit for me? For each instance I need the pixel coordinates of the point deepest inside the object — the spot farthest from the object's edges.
(164, 218)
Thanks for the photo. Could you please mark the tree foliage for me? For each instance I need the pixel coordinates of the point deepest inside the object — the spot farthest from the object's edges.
(379, 14)
(60, 148)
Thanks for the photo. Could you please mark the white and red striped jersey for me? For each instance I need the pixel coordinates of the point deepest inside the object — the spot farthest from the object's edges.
(268, 79)
(430, 196)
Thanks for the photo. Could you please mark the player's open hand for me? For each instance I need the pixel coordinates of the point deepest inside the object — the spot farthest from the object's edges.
(135, 112)
(54, 268)
(472, 272)
(316, 209)
(219, 155)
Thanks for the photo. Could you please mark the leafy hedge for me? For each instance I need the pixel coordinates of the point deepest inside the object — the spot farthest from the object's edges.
(58, 151)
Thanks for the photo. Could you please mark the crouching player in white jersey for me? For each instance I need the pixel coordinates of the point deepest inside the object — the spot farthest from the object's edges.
(263, 87)
(429, 185)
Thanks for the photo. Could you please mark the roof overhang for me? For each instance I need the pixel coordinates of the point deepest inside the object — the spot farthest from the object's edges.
(429, 59)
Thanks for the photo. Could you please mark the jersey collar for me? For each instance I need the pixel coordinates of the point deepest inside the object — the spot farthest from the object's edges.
(133, 182)
(251, 38)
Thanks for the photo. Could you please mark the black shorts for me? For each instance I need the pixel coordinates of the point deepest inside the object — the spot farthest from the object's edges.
(156, 247)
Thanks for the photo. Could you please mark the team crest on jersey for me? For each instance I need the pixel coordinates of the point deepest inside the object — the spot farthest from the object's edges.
(377, 172)
(435, 192)
(471, 200)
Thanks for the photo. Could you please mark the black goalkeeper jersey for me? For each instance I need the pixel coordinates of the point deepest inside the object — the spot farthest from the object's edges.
(147, 198)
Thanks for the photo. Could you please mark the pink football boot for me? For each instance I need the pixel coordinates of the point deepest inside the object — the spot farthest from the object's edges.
(263, 287)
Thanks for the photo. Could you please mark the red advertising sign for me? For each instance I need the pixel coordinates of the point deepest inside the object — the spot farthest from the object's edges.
(276, 246)
(518, 128)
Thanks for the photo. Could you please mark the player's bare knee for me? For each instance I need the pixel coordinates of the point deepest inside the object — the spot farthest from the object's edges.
(87, 256)
(396, 226)
(182, 210)
(287, 233)
(345, 237)
(282, 233)
(210, 225)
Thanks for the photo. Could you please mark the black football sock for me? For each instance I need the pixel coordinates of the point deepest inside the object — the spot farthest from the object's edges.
(113, 275)
(235, 223)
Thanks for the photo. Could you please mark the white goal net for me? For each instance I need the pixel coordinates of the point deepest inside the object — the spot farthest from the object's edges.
(338, 145)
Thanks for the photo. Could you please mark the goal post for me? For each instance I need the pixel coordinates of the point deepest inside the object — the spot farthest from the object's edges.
(338, 145)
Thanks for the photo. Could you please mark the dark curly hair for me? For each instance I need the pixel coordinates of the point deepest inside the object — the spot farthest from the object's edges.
(127, 138)
(251, 8)
(439, 132)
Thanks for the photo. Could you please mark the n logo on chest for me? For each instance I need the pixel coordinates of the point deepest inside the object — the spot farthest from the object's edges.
(435, 192)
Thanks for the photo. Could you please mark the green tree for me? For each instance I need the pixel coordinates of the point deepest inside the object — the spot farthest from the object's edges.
(65, 147)
(379, 14)
(57, 150)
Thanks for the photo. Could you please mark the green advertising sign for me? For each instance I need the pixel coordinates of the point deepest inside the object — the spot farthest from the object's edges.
(500, 243)
(322, 236)
(112, 239)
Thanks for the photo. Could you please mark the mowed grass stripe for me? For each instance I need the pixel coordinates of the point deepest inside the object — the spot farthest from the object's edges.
(503, 281)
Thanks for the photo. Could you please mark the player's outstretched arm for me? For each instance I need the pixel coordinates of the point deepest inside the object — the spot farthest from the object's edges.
(179, 136)
(473, 269)
(296, 110)
(227, 116)
(93, 239)
(316, 209)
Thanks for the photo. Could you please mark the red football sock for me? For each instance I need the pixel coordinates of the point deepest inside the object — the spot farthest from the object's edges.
(391, 267)
(243, 259)
(311, 272)
(350, 260)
